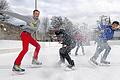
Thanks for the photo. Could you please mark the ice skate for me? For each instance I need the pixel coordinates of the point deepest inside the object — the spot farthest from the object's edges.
(18, 70)
(93, 61)
(104, 63)
(36, 63)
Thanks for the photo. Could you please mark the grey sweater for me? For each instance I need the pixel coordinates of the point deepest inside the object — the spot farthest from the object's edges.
(32, 24)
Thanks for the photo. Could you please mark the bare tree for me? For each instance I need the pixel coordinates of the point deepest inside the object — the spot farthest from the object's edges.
(56, 21)
(68, 25)
(45, 25)
(3, 7)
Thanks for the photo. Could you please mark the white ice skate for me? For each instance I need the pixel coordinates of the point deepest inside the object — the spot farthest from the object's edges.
(36, 63)
(18, 70)
(93, 62)
(104, 63)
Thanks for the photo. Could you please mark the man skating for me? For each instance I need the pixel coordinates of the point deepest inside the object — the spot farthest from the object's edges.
(68, 44)
(26, 37)
(106, 33)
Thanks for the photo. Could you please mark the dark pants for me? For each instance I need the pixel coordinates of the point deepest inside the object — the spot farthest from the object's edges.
(64, 54)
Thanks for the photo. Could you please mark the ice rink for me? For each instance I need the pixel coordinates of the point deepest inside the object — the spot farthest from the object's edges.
(49, 56)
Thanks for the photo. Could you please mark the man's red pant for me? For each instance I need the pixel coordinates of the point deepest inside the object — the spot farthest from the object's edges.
(26, 39)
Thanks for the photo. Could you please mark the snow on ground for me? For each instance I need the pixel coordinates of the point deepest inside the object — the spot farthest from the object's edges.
(49, 57)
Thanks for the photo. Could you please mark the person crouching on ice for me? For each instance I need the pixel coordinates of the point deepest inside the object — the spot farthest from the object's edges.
(26, 37)
(68, 45)
(106, 34)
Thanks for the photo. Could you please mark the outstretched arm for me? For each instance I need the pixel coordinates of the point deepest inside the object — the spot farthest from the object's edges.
(16, 15)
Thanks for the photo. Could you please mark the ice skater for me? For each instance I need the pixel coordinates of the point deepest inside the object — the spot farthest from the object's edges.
(106, 33)
(26, 37)
(79, 42)
(68, 44)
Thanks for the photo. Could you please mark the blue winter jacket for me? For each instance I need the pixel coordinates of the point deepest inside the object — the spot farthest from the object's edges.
(107, 33)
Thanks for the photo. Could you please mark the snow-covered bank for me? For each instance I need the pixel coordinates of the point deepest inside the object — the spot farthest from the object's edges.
(111, 42)
(7, 46)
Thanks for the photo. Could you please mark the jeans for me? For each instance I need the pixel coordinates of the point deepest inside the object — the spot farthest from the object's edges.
(102, 45)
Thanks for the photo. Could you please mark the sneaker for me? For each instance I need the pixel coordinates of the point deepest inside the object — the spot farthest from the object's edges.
(105, 62)
(17, 68)
(36, 62)
(93, 61)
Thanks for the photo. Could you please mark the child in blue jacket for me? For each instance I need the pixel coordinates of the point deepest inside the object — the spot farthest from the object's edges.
(106, 33)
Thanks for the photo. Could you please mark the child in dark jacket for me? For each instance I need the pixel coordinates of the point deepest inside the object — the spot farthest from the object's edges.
(106, 33)
(68, 44)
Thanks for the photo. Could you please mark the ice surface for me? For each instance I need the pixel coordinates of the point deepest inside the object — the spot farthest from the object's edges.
(49, 57)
